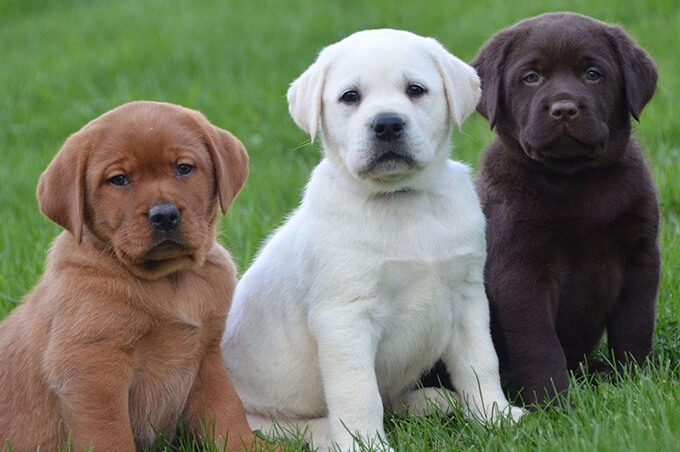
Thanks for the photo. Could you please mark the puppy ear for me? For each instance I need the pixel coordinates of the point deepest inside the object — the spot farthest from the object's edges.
(638, 69)
(304, 96)
(231, 164)
(461, 83)
(490, 65)
(61, 188)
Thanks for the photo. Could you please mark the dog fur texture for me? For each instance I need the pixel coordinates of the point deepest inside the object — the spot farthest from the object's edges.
(571, 206)
(379, 271)
(121, 336)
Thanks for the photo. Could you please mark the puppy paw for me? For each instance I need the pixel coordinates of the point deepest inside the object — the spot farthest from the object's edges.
(511, 413)
(516, 413)
(497, 412)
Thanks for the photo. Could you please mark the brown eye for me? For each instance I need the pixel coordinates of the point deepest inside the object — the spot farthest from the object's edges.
(532, 78)
(350, 97)
(119, 180)
(415, 91)
(184, 169)
(592, 75)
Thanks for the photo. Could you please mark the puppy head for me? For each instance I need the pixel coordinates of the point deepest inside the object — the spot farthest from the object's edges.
(144, 181)
(384, 100)
(560, 89)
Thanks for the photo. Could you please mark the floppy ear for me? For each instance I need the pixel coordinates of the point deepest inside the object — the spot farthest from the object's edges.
(490, 65)
(461, 83)
(61, 188)
(638, 69)
(231, 164)
(304, 96)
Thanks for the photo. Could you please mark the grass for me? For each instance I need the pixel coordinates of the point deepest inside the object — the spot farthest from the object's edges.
(64, 63)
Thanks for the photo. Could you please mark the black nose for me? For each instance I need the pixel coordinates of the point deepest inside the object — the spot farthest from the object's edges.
(564, 110)
(164, 216)
(388, 127)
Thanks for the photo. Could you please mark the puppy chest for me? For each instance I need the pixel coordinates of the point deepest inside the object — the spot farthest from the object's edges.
(418, 301)
(419, 281)
(594, 279)
(167, 362)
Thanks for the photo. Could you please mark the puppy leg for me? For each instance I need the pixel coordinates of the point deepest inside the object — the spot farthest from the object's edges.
(213, 401)
(92, 398)
(471, 358)
(347, 341)
(630, 329)
(523, 306)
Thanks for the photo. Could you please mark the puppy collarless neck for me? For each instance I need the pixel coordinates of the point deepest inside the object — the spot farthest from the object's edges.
(400, 193)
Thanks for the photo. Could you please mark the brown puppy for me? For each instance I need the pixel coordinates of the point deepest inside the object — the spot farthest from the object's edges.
(572, 210)
(121, 336)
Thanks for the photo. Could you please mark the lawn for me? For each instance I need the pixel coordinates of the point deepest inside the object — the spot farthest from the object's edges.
(64, 63)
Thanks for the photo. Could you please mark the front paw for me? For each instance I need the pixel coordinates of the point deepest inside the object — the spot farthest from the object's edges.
(496, 412)
(510, 412)
(516, 413)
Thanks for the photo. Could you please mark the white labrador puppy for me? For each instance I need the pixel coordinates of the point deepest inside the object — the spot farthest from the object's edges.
(379, 272)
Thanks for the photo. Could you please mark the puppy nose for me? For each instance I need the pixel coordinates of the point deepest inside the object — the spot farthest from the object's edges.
(164, 216)
(388, 127)
(564, 110)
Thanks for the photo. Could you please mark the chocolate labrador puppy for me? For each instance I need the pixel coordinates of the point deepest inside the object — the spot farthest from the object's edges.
(571, 207)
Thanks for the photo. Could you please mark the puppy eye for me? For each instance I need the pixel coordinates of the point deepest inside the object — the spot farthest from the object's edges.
(350, 97)
(532, 78)
(592, 75)
(415, 91)
(119, 180)
(184, 169)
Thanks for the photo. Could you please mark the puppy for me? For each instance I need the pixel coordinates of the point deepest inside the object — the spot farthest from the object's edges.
(121, 336)
(572, 210)
(379, 272)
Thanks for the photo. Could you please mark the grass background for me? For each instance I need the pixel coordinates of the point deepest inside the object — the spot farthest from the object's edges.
(64, 63)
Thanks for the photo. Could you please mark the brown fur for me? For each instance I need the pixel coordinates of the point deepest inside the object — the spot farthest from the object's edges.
(121, 336)
(572, 212)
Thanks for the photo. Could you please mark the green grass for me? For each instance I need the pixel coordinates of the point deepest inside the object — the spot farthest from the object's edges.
(64, 63)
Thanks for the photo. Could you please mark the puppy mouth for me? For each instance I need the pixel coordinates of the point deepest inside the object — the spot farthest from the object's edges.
(390, 163)
(165, 255)
(166, 249)
(391, 157)
(565, 153)
(160, 252)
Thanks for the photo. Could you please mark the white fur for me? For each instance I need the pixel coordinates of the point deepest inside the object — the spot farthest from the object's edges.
(379, 272)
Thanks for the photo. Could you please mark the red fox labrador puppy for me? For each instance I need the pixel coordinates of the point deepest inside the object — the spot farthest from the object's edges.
(121, 337)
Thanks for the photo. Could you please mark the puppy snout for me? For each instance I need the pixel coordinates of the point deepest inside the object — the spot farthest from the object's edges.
(564, 110)
(388, 127)
(164, 216)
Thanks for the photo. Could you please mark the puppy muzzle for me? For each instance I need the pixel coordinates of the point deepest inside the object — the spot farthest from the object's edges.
(389, 153)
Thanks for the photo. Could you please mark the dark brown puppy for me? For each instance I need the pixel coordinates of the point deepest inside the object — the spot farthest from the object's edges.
(571, 207)
(121, 336)
(572, 210)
